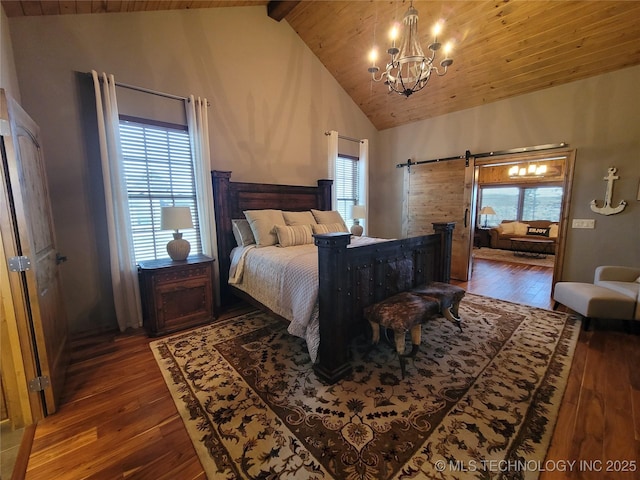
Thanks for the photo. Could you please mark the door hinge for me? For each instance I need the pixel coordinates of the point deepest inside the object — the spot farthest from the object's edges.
(19, 264)
(38, 384)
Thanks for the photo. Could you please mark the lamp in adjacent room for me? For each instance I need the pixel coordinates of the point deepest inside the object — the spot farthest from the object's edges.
(176, 218)
(486, 211)
(357, 212)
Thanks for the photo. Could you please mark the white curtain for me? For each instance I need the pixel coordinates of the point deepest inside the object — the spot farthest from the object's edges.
(363, 181)
(198, 123)
(332, 157)
(124, 274)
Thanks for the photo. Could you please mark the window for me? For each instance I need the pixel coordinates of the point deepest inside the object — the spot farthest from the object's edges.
(522, 203)
(159, 172)
(346, 184)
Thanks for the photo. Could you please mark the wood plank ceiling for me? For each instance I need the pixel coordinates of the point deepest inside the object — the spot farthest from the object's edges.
(503, 48)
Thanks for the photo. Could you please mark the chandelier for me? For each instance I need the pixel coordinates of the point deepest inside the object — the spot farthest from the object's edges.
(531, 170)
(409, 70)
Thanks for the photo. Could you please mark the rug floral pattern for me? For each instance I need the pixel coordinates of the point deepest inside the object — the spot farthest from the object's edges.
(470, 401)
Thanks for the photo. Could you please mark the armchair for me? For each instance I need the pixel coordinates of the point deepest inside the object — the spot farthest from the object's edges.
(625, 280)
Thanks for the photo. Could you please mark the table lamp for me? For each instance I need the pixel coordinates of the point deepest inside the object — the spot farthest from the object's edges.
(486, 211)
(175, 218)
(357, 212)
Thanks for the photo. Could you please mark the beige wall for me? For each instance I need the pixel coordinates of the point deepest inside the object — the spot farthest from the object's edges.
(271, 102)
(599, 117)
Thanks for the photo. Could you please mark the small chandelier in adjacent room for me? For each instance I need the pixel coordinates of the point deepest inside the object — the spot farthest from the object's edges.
(532, 170)
(409, 70)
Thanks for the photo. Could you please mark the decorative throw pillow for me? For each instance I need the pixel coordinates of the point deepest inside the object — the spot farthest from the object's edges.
(263, 224)
(289, 236)
(322, 228)
(537, 231)
(507, 228)
(553, 230)
(299, 218)
(242, 232)
(329, 216)
(520, 228)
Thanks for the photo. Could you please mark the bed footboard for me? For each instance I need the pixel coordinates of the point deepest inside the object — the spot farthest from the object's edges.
(354, 278)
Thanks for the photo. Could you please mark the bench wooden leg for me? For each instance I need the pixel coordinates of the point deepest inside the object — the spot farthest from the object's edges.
(375, 332)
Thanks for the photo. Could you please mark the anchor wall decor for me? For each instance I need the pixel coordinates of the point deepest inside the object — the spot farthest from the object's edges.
(607, 209)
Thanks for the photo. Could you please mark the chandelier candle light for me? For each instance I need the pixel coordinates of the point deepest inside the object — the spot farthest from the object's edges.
(409, 70)
(175, 218)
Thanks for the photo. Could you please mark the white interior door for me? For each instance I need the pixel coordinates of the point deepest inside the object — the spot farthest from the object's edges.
(29, 232)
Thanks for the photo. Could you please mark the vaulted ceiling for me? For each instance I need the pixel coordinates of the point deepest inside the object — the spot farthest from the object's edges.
(502, 48)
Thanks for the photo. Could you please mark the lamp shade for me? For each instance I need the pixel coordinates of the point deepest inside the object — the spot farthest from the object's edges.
(175, 218)
(358, 211)
(487, 211)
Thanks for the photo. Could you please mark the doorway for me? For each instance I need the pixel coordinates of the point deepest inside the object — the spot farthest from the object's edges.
(522, 187)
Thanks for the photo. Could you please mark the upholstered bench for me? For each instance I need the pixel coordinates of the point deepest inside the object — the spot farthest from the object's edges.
(448, 296)
(593, 301)
(402, 313)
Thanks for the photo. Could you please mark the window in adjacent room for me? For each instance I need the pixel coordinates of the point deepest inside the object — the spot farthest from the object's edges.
(522, 203)
(159, 171)
(346, 185)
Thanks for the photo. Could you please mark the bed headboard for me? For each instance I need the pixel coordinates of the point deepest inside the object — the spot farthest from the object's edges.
(231, 199)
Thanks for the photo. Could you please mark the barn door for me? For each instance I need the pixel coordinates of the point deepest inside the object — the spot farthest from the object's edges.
(442, 192)
(33, 267)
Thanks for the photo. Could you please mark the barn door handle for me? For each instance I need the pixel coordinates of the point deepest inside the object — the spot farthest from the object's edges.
(466, 215)
(60, 259)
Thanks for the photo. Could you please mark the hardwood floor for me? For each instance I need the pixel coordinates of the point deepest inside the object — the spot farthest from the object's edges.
(117, 419)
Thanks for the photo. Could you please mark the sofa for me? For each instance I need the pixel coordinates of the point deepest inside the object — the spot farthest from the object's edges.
(500, 236)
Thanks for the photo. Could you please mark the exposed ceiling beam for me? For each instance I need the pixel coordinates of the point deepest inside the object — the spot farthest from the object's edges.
(278, 9)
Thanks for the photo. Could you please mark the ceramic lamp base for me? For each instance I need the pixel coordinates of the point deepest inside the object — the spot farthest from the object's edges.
(356, 228)
(178, 248)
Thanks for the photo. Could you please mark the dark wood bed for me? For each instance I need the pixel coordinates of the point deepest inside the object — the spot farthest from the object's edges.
(350, 278)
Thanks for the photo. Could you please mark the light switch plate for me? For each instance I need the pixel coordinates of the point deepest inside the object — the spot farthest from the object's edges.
(583, 223)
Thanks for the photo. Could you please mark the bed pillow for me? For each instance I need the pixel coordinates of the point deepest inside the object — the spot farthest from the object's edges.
(292, 235)
(299, 218)
(242, 232)
(322, 228)
(263, 224)
(329, 217)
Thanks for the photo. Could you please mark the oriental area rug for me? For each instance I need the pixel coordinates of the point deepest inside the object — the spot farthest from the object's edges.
(478, 404)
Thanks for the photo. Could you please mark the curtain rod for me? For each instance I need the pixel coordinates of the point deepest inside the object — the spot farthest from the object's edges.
(468, 154)
(152, 92)
(357, 140)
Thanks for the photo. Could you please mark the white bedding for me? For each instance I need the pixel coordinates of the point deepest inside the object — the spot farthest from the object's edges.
(286, 281)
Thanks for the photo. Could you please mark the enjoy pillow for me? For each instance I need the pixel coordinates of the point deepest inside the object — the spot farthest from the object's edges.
(537, 231)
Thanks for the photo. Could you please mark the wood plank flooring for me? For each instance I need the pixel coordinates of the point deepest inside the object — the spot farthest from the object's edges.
(117, 419)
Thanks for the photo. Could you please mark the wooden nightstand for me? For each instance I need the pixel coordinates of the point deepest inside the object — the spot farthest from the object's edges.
(176, 295)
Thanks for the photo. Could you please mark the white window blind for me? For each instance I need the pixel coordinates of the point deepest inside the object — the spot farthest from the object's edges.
(159, 172)
(346, 184)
